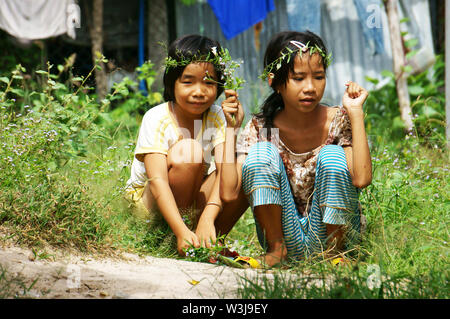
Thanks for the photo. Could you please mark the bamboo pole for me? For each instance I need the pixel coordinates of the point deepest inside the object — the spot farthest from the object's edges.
(398, 58)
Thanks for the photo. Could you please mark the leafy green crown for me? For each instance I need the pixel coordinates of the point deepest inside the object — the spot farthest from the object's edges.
(222, 61)
(287, 53)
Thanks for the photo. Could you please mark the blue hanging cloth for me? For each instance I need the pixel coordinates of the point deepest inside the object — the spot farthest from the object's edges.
(369, 13)
(304, 15)
(236, 16)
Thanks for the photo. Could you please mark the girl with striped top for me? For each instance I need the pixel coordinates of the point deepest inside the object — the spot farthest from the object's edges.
(299, 163)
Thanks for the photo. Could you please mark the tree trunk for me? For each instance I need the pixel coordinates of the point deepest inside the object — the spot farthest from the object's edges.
(447, 70)
(398, 57)
(96, 32)
(158, 31)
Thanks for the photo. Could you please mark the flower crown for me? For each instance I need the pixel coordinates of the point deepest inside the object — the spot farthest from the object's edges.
(221, 59)
(301, 48)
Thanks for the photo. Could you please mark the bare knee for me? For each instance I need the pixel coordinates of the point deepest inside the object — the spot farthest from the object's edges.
(186, 151)
(185, 163)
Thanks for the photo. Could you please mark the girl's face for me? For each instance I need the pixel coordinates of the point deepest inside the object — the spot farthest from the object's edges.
(306, 84)
(196, 89)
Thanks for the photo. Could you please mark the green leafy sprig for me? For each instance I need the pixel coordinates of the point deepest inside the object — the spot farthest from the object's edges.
(221, 59)
(286, 54)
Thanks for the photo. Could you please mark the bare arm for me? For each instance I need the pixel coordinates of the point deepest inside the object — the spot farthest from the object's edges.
(156, 168)
(230, 179)
(206, 231)
(358, 155)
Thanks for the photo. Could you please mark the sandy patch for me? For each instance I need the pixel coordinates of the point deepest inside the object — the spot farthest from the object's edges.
(72, 276)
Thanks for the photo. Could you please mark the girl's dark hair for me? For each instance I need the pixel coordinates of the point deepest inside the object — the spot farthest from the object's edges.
(276, 47)
(189, 47)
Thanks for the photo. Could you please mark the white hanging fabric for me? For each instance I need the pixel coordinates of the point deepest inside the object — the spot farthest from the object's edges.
(39, 19)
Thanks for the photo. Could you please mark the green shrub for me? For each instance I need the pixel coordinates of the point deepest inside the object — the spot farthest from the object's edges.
(65, 159)
(407, 209)
(427, 105)
(62, 165)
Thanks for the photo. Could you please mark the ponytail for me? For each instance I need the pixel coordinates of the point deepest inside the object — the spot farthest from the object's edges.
(270, 107)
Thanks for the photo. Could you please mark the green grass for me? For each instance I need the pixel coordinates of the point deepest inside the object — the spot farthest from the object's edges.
(66, 190)
(13, 286)
(407, 208)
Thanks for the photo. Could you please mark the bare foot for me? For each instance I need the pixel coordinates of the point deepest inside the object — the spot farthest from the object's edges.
(274, 257)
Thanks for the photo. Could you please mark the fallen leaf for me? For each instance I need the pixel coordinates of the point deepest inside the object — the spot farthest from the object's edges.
(193, 282)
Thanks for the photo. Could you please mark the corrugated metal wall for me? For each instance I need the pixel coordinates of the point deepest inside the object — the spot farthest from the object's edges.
(340, 29)
(352, 59)
(200, 19)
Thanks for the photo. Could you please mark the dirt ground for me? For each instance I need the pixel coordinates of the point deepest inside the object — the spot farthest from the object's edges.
(68, 276)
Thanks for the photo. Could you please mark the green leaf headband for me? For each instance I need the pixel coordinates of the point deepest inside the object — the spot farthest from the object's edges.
(276, 65)
(220, 59)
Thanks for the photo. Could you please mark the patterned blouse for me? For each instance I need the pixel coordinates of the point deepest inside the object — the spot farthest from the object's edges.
(300, 168)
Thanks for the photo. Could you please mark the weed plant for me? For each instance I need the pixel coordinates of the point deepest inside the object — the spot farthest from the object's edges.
(65, 160)
(63, 163)
(13, 286)
(405, 251)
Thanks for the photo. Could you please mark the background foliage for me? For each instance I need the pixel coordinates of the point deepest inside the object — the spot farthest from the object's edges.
(65, 159)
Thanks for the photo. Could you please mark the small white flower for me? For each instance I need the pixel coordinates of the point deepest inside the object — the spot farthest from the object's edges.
(214, 50)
